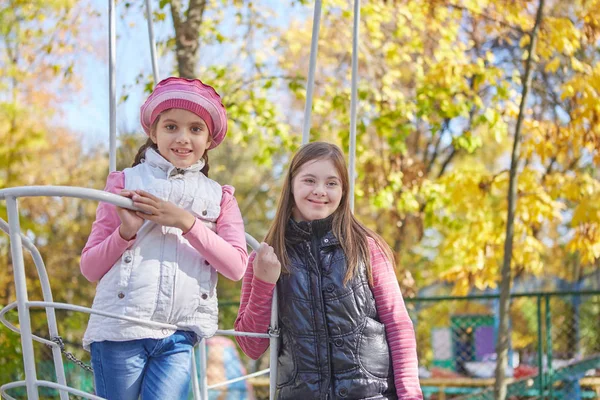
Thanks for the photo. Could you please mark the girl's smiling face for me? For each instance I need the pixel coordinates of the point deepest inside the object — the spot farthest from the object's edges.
(181, 136)
(317, 190)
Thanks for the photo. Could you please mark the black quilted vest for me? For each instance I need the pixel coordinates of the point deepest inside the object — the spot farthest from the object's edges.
(332, 344)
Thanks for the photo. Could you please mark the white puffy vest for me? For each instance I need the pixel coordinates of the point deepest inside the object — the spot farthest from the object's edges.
(161, 277)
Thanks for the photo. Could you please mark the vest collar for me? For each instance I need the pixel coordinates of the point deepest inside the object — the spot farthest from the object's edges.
(154, 159)
(306, 230)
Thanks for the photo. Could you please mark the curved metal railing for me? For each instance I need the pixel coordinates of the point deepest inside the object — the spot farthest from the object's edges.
(23, 304)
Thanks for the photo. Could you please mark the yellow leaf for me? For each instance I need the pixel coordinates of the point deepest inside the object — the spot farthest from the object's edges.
(553, 65)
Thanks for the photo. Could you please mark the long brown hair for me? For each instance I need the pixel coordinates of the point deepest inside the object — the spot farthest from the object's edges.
(353, 235)
(141, 153)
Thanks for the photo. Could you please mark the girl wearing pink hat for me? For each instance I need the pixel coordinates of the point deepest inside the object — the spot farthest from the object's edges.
(161, 264)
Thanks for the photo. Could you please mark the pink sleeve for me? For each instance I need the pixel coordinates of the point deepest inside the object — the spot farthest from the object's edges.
(254, 314)
(398, 326)
(225, 250)
(104, 245)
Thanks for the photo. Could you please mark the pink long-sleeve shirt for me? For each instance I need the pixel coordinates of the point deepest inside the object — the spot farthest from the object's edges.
(255, 315)
(225, 250)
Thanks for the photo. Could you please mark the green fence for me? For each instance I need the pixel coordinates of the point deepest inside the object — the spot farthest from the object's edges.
(555, 333)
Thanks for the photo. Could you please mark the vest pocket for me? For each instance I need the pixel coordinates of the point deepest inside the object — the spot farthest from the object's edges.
(205, 210)
(286, 361)
(373, 350)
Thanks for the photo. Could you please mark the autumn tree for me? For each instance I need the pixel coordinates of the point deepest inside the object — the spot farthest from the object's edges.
(39, 43)
(440, 85)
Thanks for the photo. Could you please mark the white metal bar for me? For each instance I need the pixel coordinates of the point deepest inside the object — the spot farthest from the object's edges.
(253, 243)
(310, 84)
(50, 313)
(112, 83)
(13, 328)
(354, 102)
(5, 395)
(21, 291)
(65, 306)
(274, 346)
(52, 385)
(152, 41)
(203, 366)
(241, 378)
(231, 332)
(68, 191)
(195, 384)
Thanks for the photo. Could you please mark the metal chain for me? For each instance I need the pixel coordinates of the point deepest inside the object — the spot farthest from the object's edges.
(70, 356)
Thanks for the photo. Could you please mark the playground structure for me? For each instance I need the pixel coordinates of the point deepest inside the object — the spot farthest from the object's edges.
(18, 240)
(556, 381)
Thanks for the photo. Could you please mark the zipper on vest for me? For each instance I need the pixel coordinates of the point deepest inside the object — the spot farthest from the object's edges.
(315, 251)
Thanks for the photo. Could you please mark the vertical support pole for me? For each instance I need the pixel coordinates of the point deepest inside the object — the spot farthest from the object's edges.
(112, 83)
(203, 377)
(274, 346)
(50, 317)
(550, 380)
(16, 250)
(310, 84)
(354, 102)
(540, 348)
(155, 73)
(195, 384)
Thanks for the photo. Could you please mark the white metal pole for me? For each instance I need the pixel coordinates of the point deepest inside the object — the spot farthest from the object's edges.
(274, 347)
(354, 102)
(51, 318)
(152, 41)
(22, 299)
(203, 377)
(112, 82)
(314, 45)
(195, 384)
(50, 313)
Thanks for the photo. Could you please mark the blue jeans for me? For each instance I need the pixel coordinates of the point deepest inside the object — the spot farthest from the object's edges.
(152, 368)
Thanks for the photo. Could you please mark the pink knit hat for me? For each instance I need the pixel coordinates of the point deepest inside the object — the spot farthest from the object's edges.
(191, 95)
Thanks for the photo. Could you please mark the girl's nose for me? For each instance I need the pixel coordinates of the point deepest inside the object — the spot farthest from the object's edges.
(319, 191)
(182, 137)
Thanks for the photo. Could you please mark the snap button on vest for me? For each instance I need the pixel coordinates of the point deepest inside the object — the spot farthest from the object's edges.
(204, 296)
(121, 295)
(128, 259)
(338, 342)
(343, 392)
(330, 288)
(204, 212)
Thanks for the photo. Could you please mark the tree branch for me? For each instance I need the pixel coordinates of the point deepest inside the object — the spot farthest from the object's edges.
(487, 17)
(500, 386)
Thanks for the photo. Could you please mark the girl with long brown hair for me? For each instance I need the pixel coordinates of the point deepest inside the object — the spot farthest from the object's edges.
(344, 328)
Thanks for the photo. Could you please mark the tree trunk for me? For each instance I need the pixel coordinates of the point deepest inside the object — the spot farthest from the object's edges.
(187, 31)
(505, 283)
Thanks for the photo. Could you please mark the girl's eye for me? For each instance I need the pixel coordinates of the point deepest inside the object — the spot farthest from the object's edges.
(171, 127)
(332, 184)
(197, 129)
(309, 180)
